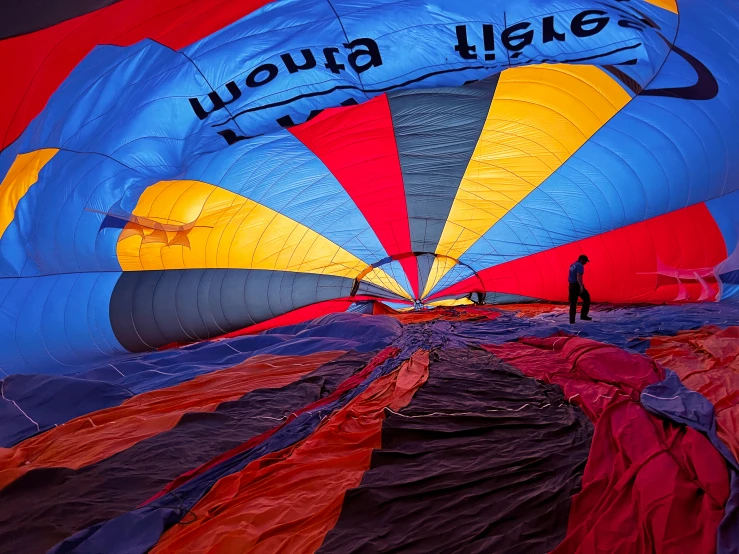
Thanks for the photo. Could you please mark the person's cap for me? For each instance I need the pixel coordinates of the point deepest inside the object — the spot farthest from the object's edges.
(583, 258)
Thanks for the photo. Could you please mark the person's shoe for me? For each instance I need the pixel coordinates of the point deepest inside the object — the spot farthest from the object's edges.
(586, 318)
(572, 322)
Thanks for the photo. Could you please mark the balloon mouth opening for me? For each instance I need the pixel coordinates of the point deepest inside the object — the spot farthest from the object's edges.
(431, 265)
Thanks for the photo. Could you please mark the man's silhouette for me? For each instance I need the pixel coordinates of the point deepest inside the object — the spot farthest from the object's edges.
(577, 288)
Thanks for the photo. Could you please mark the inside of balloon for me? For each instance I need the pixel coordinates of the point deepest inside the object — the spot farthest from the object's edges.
(307, 276)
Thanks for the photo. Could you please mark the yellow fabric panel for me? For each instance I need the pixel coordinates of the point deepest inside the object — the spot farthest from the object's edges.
(226, 230)
(439, 268)
(21, 176)
(670, 5)
(381, 278)
(452, 302)
(540, 115)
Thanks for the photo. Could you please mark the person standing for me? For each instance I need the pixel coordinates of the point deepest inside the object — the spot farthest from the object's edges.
(577, 289)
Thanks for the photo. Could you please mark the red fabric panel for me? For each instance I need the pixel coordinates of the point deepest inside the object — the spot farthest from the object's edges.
(300, 315)
(37, 63)
(292, 498)
(378, 308)
(97, 436)
(707, 361)
(447, 313)
(382, 356)
(530, 310)
(667, 258)
(649, 485)
(306, 313)
(357, 144)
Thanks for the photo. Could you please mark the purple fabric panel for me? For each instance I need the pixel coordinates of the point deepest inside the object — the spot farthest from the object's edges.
(482, 460)
(46, 506)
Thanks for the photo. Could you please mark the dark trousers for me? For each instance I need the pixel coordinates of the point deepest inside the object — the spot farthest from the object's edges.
(585, 295)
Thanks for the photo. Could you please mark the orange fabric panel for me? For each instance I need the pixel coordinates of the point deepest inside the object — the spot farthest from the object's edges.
(379, 308)
(669, 5)
(447, 313)
(531, 310)
(97, 436)
(707, 361)
(288, 501)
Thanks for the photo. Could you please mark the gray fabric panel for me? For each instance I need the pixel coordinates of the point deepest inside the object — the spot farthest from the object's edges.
(371, 289)
(149, 309)
(436, 131)
(165, 305)
(142, 310)
(267, 302)
(326, 288)
(204, 305)
(424, 261)
(219, 312)
(26, 16)
(121, 312)
(234, 291)
(188, 314)
(211, 290)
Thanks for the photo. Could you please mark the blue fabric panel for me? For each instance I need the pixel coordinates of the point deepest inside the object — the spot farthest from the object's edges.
(396, 29)
(309, 345)
(456, 274)
(16, 424)
(416, 22)
(658, 154)
(625, 327)
(397, 305)
(674, 401)
(287, 330)
(58, 322)
(57, 224)
(349, 326)
(361, 308)
(126, 103)
(13, 293)
(277, 28)
(396, 271)
(730, 286)
(33, 403)
(49, 400)
(725, 210)
(627, 43)
(665, 24)
(27, 309)
(172, 367)
(133, 104)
